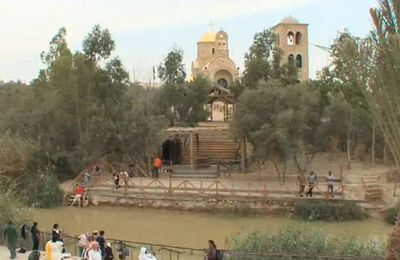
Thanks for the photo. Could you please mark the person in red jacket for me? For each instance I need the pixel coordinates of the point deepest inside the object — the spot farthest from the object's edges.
(79, 191)
(156, 167)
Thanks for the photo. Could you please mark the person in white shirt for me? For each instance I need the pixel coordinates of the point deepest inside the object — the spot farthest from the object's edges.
(94, 252)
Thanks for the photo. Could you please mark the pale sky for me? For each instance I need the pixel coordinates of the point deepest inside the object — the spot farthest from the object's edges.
(144, 31)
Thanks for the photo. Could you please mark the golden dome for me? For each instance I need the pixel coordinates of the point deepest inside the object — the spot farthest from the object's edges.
(208, 37)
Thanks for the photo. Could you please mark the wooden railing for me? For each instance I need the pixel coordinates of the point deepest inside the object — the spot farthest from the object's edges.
(211, 189)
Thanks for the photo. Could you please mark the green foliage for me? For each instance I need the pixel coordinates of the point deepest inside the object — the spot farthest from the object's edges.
(303, 240)
(391, 215)
(98, 43)
(280, 122)
(263, 62)
(172, 70)
(313, 211)
(181, 102)
(12, 205)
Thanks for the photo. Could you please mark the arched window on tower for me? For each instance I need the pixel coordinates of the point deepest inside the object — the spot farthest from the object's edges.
(298, 38)
(213, 51)
(278, 40)
(291, 59)
(290, 38)
(299, 61)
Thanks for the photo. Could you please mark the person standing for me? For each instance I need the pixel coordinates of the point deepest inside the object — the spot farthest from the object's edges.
(156, 167)
(82, 242)
(101, 240)
(35, 236)
(116, 181)
(10, 233)
(125, 177)
(56, 232)
(212, 251)
(108, 253)
(94, 252)
(312, 181)
(330, 179)
(123, 251)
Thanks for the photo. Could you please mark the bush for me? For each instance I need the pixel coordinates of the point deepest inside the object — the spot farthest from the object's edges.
(12, 206)
(302, 240)
(393, 248)
(330, 211)
(391, 215)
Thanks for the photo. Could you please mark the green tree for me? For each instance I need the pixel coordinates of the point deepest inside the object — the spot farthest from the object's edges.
(263, 62)
(172, 70)
(281, 123)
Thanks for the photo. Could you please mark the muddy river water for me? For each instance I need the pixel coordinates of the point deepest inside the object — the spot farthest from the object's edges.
(186, 228)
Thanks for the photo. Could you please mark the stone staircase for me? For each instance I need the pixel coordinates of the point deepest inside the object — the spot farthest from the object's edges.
(373, 188)
(215, 142)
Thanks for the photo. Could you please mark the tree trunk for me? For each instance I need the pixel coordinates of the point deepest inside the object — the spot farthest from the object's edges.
(348, 143)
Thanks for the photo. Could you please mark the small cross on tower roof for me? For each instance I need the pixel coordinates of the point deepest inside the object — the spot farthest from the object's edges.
(211, 25)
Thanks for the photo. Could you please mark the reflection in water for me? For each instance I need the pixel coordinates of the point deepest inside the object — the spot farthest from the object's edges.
(185, 228)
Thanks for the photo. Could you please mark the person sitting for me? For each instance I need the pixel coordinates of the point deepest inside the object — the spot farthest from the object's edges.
(79, 191)
(145, 256)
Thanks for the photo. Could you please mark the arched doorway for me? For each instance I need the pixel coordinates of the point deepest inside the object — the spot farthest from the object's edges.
(223, 78)
(172, 151)
(222, 82)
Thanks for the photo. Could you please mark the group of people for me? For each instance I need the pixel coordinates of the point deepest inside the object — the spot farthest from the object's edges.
(54, 248)
(96, 247)
(312, 182)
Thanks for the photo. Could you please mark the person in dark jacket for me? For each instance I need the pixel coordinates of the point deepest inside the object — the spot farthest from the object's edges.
(35, 236)
(108, 253)
(212, 251)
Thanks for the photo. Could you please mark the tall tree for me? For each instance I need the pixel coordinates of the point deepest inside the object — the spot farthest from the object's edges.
(172, 70)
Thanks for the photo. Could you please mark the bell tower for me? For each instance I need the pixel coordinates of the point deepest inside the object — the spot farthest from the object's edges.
(292, 39)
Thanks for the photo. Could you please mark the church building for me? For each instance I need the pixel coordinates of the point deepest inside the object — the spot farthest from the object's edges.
(213, 59)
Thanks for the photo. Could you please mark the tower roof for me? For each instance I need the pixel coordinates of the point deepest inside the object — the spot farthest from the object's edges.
(208, 37)
(289, 20)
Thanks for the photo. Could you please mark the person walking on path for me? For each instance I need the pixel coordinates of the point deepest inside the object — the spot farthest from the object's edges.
(312, 181)
(301, 182)
(35, 236)
(156, 167)
(10, 233)
(125, 177)
(123, 251)
(330, 179)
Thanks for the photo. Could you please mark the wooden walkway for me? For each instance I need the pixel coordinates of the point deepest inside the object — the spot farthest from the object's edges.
(174, 189)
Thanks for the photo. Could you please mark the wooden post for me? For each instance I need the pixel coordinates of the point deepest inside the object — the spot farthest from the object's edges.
(242, 153)
(373, 144)
(170, 186)
(191, 152)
